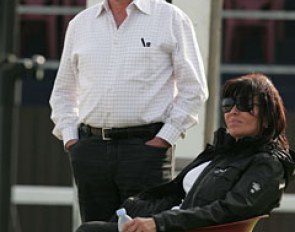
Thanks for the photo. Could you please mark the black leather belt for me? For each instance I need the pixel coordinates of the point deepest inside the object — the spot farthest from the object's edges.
(149, 130)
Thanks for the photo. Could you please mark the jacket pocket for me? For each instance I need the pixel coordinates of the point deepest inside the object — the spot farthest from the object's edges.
(218, 182)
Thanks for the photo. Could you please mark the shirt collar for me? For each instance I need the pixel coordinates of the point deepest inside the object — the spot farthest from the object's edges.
(104, 6)
(143, 5)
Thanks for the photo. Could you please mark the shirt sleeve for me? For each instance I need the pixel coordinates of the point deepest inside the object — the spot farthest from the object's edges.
(191, 84)
(64, 97)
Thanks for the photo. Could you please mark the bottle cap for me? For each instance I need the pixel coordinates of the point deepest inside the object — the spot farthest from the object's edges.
(121, 212)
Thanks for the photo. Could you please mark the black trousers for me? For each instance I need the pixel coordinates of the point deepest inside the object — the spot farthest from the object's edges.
(108, 172)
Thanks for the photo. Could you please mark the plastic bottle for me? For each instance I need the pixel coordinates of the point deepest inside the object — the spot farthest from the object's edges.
(122, 218)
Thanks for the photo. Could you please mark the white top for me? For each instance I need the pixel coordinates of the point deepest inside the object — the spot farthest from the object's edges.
(107, 78)
(191, 177)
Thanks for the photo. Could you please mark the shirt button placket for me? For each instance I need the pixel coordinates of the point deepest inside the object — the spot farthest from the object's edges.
(112, 78)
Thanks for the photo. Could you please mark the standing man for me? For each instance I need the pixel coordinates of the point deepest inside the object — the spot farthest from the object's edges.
(130, 83)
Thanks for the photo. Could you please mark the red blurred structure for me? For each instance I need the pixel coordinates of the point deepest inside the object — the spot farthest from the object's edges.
(234, 27)
(49, 21)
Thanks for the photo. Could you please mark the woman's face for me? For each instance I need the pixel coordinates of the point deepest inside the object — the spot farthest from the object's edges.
(241, 124)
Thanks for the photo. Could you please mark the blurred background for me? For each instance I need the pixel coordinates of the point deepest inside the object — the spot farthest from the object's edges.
(255, 35)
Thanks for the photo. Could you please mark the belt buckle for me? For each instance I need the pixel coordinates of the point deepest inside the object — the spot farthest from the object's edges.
(103, 133)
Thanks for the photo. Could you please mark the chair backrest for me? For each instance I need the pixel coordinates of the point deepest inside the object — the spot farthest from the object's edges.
(239, 226)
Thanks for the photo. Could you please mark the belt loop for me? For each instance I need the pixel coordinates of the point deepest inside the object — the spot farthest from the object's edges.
(85, 129)
(104, 134)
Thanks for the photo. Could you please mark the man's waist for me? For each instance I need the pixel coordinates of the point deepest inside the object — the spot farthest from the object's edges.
(147, 131)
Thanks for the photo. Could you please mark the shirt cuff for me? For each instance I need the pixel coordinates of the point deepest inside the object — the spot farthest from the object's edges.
(169, 133)
(69, 133)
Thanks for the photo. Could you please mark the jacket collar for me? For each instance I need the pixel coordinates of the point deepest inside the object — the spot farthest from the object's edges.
(224, 141)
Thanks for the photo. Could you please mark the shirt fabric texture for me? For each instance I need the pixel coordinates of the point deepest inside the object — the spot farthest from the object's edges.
(147, 70)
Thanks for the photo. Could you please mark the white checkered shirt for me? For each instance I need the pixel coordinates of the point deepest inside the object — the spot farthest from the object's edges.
(147, 70)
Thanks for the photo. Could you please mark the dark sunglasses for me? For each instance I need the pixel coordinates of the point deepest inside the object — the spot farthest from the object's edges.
(242, 104)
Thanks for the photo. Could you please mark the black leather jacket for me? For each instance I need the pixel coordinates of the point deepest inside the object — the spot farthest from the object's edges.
(245, 179)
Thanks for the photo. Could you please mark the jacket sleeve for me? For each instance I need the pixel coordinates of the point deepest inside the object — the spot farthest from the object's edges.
(154, 200)
(258, 191)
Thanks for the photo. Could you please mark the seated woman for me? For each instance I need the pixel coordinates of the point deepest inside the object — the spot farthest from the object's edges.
(242, 175)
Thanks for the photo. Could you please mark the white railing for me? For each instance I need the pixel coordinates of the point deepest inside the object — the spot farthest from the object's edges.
(251, 14)
(248, 68)
(44, 195)
(48, 10)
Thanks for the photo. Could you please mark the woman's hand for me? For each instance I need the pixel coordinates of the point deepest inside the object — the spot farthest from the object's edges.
(140, 225)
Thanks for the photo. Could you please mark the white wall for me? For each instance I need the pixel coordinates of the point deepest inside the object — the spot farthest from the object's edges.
(199, 12)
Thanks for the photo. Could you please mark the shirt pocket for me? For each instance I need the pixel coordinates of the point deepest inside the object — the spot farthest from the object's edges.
(145, 63)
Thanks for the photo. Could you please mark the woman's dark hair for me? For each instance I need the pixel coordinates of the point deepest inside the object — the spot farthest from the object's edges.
(272, 120)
